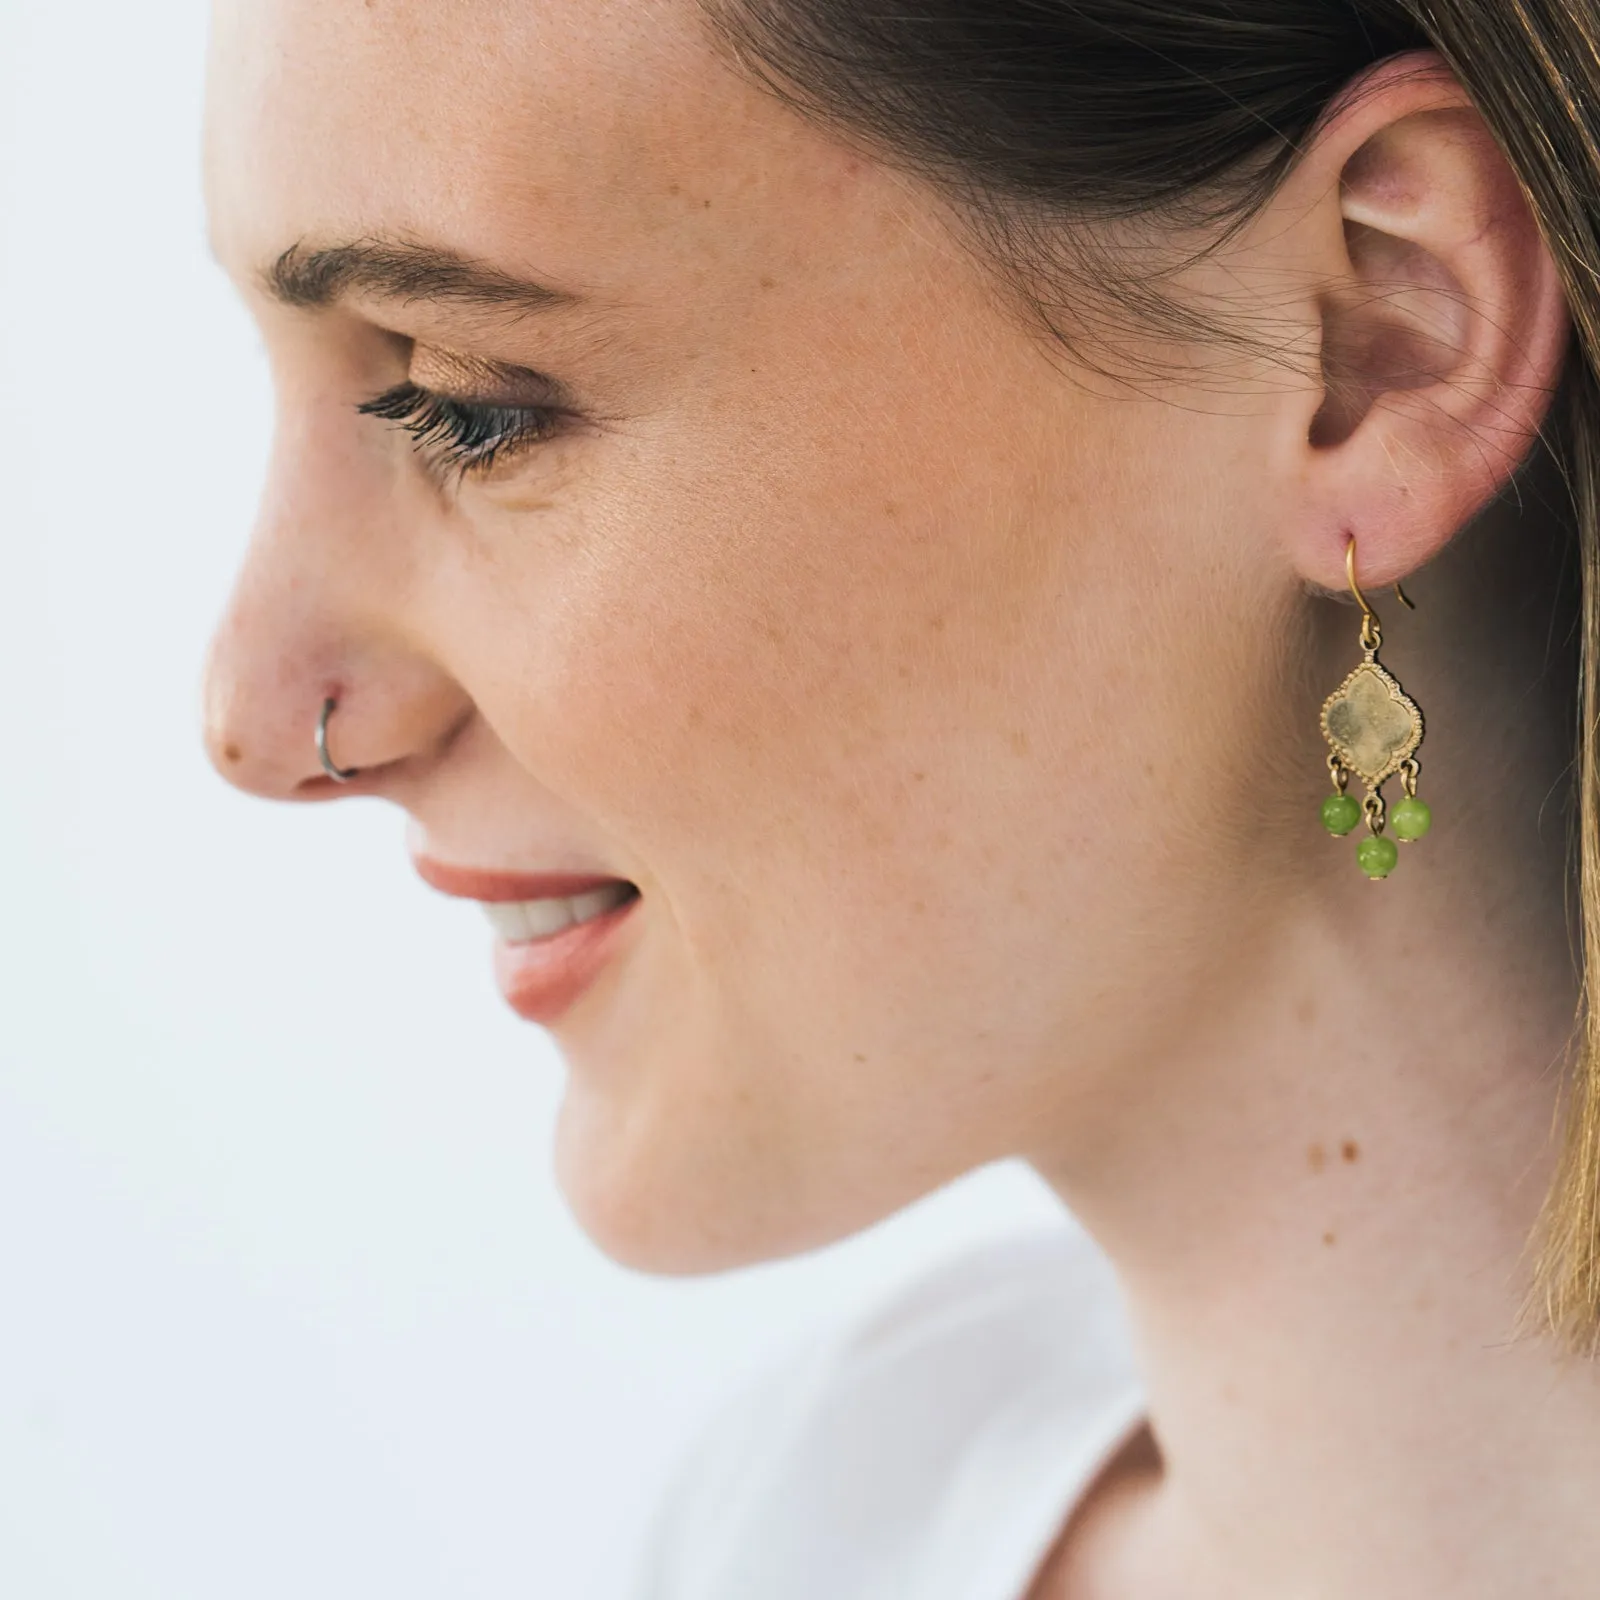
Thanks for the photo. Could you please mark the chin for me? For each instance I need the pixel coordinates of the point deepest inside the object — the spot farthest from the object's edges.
(669, 1196)
(639, 1197)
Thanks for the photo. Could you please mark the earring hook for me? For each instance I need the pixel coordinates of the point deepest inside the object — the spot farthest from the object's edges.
(1355, 588)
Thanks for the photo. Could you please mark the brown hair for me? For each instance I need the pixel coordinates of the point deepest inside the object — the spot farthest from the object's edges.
(1034, 112)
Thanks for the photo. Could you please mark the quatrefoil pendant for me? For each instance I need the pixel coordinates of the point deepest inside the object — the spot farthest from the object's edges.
(1372, 724)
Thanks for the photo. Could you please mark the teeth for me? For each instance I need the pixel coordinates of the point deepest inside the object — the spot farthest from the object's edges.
(595, 901)
(516, 921)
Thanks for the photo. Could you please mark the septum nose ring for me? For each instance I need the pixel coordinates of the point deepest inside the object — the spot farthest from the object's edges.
(338, 774)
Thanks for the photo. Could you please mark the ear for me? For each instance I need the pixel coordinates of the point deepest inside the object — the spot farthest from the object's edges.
(1442, 318)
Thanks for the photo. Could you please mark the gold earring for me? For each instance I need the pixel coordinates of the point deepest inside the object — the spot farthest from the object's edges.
(1375, 728)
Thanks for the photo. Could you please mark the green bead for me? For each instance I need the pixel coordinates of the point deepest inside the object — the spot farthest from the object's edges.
(1411, 818)
(1340, 813)
(1377, 856)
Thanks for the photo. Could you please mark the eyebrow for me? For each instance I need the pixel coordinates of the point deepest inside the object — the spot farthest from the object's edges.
(399, 270)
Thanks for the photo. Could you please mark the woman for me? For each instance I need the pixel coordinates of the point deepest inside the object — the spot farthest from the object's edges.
(865, 536)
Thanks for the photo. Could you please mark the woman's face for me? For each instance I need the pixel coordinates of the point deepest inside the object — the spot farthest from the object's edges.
(906, 676)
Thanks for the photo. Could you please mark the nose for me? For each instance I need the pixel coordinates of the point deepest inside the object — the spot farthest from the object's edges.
(309, 620)
(263, 698)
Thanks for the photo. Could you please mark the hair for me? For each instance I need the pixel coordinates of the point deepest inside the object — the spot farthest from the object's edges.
(1032, 113)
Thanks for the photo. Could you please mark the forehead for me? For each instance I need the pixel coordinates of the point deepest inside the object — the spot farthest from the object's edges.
(503, 127)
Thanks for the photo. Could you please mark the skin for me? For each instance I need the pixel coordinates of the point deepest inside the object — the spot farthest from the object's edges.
(955, 711)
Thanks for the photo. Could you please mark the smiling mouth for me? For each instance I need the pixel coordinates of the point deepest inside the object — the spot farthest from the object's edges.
(555, 931)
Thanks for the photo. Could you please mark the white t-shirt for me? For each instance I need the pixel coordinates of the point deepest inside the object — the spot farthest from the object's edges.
(932, 1449)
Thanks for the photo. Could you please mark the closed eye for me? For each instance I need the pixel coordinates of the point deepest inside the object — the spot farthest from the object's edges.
(464, 436)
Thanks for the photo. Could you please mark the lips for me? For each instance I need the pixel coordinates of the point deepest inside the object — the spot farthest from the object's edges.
(542, 974)
(541, 979)
(475, 883)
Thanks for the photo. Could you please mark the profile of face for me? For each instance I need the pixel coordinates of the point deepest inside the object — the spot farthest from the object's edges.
(717, 523)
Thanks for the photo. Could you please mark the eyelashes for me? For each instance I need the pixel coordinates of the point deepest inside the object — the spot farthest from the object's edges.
(464, 436)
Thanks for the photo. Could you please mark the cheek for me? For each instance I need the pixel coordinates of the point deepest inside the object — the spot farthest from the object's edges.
(772, 720)
(880, 733)
(849, 959)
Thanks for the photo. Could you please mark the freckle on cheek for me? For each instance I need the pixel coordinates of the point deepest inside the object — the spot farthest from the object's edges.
(1328, 1238)
(232, 753)
(1350, 1150)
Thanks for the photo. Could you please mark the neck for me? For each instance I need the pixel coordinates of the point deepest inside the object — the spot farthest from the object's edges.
(1320, 1203)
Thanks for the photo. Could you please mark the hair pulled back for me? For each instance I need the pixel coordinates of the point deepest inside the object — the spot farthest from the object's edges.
(1032, 113)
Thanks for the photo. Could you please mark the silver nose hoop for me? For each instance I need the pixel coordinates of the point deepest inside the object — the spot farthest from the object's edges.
(338, 774)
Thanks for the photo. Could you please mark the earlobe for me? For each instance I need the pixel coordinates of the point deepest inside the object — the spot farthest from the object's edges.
(1444, 328)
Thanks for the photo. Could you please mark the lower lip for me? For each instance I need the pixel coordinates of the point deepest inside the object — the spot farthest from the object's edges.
(541, 978)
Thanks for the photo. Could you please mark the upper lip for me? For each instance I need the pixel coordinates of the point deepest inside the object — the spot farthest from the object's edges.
(478, 883)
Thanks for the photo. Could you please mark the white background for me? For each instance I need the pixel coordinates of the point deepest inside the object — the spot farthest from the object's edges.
(288, 1303)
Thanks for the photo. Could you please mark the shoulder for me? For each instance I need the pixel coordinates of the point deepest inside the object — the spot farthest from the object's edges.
(970, 1383)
